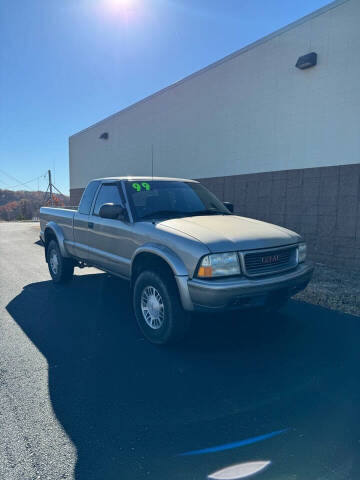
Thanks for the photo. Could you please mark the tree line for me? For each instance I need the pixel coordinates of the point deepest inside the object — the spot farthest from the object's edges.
(25, 205)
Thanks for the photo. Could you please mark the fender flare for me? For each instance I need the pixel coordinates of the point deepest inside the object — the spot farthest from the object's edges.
(169, 256)
(175, 263)
(56, 230)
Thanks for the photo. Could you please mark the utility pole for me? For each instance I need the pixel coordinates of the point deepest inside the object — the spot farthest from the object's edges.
(50, 188)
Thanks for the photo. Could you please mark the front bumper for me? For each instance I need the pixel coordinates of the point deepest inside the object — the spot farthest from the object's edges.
(232, 293)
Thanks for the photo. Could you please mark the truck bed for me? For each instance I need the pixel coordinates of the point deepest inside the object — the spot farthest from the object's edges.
(62, 216)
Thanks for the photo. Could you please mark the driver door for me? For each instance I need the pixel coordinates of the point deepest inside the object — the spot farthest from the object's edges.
(107, 237)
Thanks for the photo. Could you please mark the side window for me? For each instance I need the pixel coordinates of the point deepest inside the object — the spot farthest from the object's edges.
(108, 193)
(87, 198)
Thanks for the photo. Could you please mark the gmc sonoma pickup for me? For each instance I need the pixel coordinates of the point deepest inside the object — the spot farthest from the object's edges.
(180, 247)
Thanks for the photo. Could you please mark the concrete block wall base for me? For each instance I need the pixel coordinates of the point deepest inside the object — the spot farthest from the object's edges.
(75, 195)
(322, 204)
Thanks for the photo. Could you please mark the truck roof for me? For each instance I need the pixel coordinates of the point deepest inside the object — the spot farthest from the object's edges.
(132, 178)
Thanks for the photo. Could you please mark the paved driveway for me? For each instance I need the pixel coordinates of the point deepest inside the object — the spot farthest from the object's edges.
(83, 396)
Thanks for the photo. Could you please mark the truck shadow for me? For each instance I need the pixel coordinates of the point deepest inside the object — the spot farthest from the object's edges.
(130, 407)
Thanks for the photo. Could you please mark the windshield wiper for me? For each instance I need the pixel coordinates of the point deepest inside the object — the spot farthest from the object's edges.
(207, 212)
(163, 213)
(174, 213)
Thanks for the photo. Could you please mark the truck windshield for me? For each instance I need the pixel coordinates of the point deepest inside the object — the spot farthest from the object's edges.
(171, 199)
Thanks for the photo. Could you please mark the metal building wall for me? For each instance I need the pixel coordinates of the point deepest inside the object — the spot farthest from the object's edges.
(283, 144)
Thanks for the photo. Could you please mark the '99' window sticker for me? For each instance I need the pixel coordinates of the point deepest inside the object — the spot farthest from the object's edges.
(141, 186)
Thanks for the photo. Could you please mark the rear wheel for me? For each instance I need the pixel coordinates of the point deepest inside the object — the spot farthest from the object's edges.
(61, 269)
(157, 308)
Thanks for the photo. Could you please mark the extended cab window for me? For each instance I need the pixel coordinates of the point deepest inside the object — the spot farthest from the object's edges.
(87, 198)
(108, 193)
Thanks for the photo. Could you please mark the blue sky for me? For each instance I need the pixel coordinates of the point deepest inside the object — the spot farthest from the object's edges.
(66, 64)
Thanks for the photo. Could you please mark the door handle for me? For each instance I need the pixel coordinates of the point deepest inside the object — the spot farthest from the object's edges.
(91, 224)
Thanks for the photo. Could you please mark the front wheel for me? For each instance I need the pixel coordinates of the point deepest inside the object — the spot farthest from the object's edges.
(157, 308)
(61, 269)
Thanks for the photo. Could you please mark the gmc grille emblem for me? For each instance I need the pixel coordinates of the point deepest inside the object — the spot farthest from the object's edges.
(270, 259)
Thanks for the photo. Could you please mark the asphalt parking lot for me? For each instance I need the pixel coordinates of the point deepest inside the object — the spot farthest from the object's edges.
(83, 396)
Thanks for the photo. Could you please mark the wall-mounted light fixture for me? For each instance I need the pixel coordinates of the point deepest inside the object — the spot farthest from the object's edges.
(307, 61)
(104, 136)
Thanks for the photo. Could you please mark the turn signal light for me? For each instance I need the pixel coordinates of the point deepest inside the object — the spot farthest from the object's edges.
(205, 272)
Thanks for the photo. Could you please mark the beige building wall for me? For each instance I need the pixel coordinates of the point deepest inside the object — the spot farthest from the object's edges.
(250, 112)
(283, 144)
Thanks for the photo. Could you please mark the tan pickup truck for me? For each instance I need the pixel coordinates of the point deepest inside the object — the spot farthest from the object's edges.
(181, 248)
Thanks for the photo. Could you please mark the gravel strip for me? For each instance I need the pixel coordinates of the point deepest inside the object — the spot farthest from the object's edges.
(333, 288)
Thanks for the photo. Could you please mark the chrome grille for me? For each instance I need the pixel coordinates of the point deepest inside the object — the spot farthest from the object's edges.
(270, 261)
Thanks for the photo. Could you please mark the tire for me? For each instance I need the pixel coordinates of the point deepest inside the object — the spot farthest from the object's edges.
(157, 308)
(61, 269)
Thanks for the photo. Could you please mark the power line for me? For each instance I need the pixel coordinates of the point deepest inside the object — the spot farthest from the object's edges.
(25, 183)
(35, 179)
(22, 183)
(4, 183)
(10, 176)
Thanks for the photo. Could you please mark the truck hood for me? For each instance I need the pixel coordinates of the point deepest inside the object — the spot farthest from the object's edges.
(224, 233)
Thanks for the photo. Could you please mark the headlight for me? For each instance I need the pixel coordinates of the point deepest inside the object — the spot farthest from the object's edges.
(301, 252)
(219, 265)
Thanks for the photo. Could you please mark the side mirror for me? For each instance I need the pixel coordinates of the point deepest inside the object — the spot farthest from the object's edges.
(229, 206)
(112, 210)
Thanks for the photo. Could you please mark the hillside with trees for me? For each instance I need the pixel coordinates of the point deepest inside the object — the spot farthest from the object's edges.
(25, 205)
